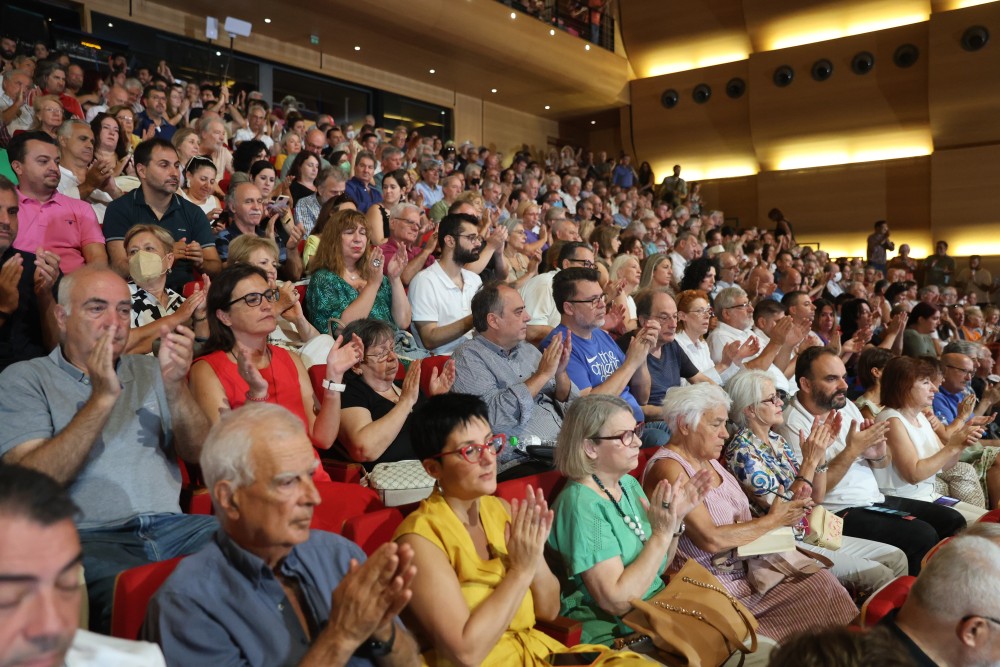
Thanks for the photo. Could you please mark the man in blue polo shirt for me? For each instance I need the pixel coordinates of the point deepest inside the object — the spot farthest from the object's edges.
(360, 187)
(157, 202)
(596, 364)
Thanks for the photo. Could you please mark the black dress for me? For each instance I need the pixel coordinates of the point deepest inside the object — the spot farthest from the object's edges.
(359, 395)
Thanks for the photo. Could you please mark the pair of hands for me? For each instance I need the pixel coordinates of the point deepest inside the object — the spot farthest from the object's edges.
(175, 356)
(525, 535)
(556, 356)
(646, 338)
(394, 268)
(191, 251)
(46, 274)
(440, 382)
(734, 352)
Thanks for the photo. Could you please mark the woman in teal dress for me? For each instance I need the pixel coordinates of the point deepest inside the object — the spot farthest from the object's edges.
(347, 281)
(614, 543)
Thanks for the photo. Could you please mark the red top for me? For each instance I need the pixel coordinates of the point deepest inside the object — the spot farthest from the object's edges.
(283, 387)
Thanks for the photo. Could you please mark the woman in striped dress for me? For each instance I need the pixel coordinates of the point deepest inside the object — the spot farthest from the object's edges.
(697, 419)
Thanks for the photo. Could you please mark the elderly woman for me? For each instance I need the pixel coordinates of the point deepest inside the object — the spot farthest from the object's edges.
(614, 544)
(522, 267)
(481, 575)
(696, 416)
(293, 328)
(346, 281)
(626, 270)
(240, 365)
(658, 271)
(49, 114)
(375, 419)
(917, 451)
(150, 258)
(693, 318)
(763, 462)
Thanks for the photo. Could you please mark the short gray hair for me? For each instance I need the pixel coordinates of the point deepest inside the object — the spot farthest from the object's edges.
(402, 208)
(583, 420)
(225, 456)
(688, 404)
(727, 298)
(11, 73)
(746, 389)
(962, 578)
(66, 129)
(968, 348)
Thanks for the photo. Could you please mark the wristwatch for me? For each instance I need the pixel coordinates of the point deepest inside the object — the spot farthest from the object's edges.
(330, 385)
(681, 530)
(379, 649)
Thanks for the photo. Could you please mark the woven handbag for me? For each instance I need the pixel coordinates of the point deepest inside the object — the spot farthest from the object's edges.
(694, 621)
(400, 482)
(826, 529)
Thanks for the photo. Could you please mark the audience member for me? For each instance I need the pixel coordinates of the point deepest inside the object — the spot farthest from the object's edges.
(245, 203)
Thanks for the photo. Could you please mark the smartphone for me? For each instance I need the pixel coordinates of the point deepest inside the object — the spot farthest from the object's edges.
(582, 658)
(886, 510)
(281, 202)
(947, 501)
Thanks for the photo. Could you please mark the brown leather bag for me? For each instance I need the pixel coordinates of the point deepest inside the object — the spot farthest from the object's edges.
(694, 621)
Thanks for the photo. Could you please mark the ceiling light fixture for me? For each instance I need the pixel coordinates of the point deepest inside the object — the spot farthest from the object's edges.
(493, 90)
(431, 71)
(513, 15)
(593, 122)
(586, 47)
(267, 20)
(357, 48)
(111, 25)
(547, 107)
(552, 32)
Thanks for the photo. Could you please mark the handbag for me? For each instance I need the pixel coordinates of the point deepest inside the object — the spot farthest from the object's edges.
(767, 571)
(826, 529)
(694, 621)
(399, 482)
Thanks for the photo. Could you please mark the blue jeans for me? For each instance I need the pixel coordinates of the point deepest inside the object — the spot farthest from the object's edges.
(144, 539)
(655, 434)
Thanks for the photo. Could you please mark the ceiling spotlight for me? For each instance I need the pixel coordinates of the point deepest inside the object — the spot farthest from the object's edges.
(735, 88)
(513, 15)
(973, 38)
(357, 48)
(218, 53)
(431, 71)
(111, 25)
(669, 98)
(547, 107)
(783, 76)
(552, 31)
(586, 47)
(822, 70)
(493, 90)
(593, 122)
(701, 93)
(267, 20)
(442, 113)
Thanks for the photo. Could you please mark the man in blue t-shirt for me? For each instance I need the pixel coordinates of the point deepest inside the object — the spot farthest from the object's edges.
(596, 364)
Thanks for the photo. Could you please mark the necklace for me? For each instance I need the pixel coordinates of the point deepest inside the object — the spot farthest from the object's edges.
(633, 524)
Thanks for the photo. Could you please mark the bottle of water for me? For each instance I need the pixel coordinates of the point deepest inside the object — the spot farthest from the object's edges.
(521, 443)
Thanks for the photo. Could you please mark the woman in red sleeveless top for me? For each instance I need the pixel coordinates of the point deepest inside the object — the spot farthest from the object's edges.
(241, 366)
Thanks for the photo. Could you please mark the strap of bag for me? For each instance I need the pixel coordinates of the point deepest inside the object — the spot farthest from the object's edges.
(714, 618)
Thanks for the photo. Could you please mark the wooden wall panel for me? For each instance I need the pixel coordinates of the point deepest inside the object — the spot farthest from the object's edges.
(964, 96)
(847, 114)
(507, 130)
(711, 139)
(965, 200)
(736, 198)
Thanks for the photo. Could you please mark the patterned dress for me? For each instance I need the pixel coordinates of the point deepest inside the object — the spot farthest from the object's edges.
(329, 295)
(791, 607)
(760, 467)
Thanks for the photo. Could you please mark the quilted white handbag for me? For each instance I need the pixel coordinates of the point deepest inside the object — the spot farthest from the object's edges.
(400, 482)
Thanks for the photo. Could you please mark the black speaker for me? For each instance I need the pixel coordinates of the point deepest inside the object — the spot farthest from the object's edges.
(975, 38)
(862, 63)
(701, 93)
(736, 87)
(822, 70)
(783, 76)
(906, 55)
(670, 98)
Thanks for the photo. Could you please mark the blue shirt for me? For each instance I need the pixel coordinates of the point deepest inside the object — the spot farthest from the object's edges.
(164, 130)
(946, 404)
(593, 361)
(364, 198)
(224, 606)
(623, 176)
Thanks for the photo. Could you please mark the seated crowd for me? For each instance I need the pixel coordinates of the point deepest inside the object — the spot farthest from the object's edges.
(224, 295)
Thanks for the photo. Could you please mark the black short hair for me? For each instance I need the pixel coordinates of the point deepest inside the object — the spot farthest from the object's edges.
(438, 418)
(452, 223)
(487, 300)
(766, 308)
(6, 185)
(568, 250)
(805, 360)
(151, 88)
(790, 298)
(564, 284)
(25, 492)
(144, 151)
(18, 146)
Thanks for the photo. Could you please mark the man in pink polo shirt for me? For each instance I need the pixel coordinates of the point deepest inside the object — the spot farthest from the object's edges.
(66, 226)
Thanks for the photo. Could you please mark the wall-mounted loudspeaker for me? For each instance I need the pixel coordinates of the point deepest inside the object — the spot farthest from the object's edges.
(237, 27)
(783, 76)
(211, 28)
(822, 70)
(670, 98)
(862, 63)
(736, 87)
(701, 93)
(906, 55)
(975, 38)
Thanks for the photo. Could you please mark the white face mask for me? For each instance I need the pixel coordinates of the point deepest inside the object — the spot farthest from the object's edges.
(145, 266)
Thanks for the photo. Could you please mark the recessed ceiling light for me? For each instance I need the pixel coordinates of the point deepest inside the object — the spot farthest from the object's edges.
(357, 48)
(267, 20)
(513, 15)
(218, 53)
(547, 107)
(586, 47)
(442, 113)
(493, 90)
(552, 31)
(111, 25)
(431, 71)
(593, 122)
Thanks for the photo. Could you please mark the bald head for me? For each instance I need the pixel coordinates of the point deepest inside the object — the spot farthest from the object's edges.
(315, 141)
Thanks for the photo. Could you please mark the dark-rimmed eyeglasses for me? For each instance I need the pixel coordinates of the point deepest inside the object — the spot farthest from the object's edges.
(627, 438)
(379, 357)
(960, 370)
(253, 299)
(473, 453)
(774, 400)
(987, 618)
(593, 301)
(738, 305)
(473, 237)
(585, 263)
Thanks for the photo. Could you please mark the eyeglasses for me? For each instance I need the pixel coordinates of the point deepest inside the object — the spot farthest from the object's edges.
(379, 357)
(593, 301)
(253, 299)
(773, 400)
(666, 317)
(738, 305)
(701, 311)
(411, 223)
(987, 618)
(960, 370)
(473, 237)
(627, 437)
(473, 453)
(586, 263)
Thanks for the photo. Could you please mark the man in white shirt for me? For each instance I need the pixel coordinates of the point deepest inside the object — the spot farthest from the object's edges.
(41, 574)
(851, 488)
(685, 248)
(80, 176)
(15, 112)
(441, 295)
(537, 292)
(256, 127)
(116, 96)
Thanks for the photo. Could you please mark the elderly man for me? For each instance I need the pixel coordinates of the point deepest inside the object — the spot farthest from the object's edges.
(256, 127)
(441, 294)
(392, 159)
(40, 571)
(82, 177)
(330, 183)
(111, 427)
(959, 369)
(360, 188)
(15, 112)
(156, 202)
(759, 284)
(247, 206)
(451, 187)
(537, 292)
(852, 490)
(950, 615)
(404, 234)
(526, 391)
(116, 96)
(428, 186)
(27, 328)
(685, 249)
(66, 226)
(268, 590)
(727, 269)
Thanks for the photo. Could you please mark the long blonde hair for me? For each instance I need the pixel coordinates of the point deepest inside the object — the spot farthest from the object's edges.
(330, 253)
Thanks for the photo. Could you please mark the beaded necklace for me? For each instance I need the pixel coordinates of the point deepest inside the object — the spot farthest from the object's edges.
(633, 524)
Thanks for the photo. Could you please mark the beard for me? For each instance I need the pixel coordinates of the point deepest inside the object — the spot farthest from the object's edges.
(833, 401)
(463, 256)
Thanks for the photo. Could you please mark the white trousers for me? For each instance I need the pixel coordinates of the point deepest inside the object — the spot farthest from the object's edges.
(864, 565)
